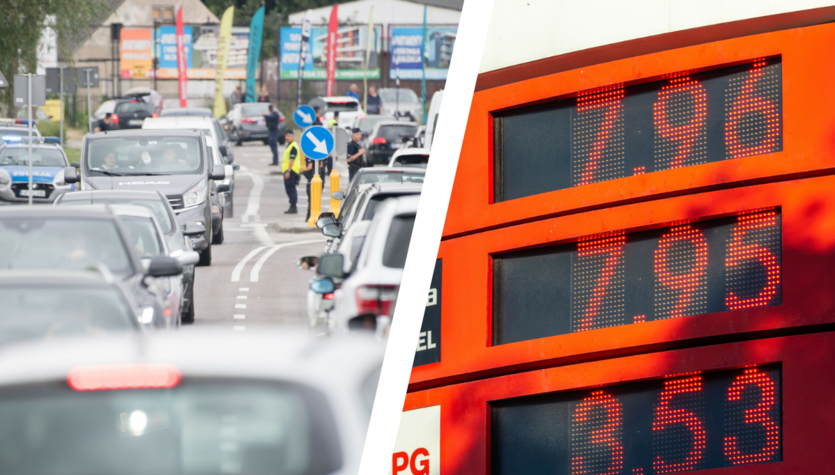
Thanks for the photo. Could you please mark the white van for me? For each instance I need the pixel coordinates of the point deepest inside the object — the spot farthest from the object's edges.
(432, 118)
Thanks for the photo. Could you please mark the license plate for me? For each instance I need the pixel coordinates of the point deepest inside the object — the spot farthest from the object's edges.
(397, 145)
(41, 193)
(135, 122)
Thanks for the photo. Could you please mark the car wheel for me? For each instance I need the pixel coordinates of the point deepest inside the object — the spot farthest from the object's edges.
(231, 207)
(188, 317)
(281, 140)
(206, 256)
(218, 237)
(239, 142)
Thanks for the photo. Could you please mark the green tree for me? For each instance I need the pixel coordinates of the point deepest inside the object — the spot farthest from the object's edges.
(21, 25)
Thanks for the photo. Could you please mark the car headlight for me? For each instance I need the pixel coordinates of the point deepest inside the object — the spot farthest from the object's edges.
(59, 179)
(147, 315)
(194, 196)
(5, 178)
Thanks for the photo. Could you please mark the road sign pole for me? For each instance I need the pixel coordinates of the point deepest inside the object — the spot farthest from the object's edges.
(30, 136)
(61, 97)
(89, 113)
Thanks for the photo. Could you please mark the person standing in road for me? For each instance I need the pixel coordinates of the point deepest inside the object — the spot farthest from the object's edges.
(356, 154)
(319, 120)
(374, 102)
(335, 120)
(264, 96)
(271, 120)
(235, 97)
(291, 165)
(103, 125)
(353, 92)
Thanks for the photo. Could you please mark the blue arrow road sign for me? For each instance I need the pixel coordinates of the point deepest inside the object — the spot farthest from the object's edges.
(317, 143)
(303, 116)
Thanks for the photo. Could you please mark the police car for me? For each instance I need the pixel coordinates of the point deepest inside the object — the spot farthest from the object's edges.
(48, 163)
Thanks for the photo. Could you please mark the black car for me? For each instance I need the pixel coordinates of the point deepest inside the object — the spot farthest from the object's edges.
(45, 304)
(156, 202)
(386, 138)
(80, 238)
(130, 113)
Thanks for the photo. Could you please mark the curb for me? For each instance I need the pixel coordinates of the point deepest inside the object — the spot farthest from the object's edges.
(296, 229)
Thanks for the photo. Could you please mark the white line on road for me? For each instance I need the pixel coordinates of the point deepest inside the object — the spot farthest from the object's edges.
(241, 297)
(243, 289)
(240, 305)
(238, 316)
(253, 275)
(239, 328)
(236, 272)
(252, 207)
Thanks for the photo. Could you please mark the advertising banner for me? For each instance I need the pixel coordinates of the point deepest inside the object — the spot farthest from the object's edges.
(182, 64)
(409, 48)
(135, 55)
(222, 59)
(253, 50)
(350, 53)
(333, 26)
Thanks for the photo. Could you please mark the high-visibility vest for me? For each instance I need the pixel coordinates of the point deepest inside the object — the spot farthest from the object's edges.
(292, 153)
(332, 122)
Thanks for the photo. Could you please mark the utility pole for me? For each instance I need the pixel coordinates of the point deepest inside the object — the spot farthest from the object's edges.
(29, 79)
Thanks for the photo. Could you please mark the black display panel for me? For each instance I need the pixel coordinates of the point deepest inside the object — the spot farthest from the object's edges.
(676, 271)
(429, 340)
(686, 422)
(679, 121)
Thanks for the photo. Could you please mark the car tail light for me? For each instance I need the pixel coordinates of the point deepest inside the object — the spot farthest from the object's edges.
(328, 296)
(281, 118)
(248, 120)
(154, 116)
(115, 119)
(376, 299)
(379, 141)
(123, 376)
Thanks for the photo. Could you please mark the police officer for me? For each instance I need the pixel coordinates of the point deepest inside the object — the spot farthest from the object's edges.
(319, 120)
(271, 119)
(103, 125)
(356, 154)
(335, 120)
(291, 165)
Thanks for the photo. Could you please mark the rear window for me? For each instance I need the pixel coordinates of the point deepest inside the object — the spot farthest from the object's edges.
(156, 207)
(143, 236)
(387, 177)
(397, 242)
(412, 160)
(375, 201)
(138, 106)
(368, 123)
(199, 427)
(254, 110)
(347, 106)
(403, 95)
(396, 133)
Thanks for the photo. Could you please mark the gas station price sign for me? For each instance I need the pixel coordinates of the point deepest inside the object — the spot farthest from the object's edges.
(680, 423)
(681, 120)
(680, 270)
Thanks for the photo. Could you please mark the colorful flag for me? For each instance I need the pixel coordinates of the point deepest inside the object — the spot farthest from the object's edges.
(222, 50)
(372, 33)
(305, 46)
(255, 29)
(333, 25)
(182, 62)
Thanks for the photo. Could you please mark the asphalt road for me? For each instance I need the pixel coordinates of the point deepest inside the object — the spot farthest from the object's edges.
(253, 279)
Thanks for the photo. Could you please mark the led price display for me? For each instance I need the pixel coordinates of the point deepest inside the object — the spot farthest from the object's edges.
(681, 120)
(686, 422)
(684, 269)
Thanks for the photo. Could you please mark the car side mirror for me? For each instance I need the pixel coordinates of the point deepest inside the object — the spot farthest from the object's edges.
(164, 266)
(194, 229)
(223, 150)
(331, 265)
(75, 164)
(236, 166)
(338, 195)
(233, 137)
(323, 286)
(70, 175)
(187, 258)
(223, 187)
(322, 222)
(333, 230)
(307, 262)
(218, 173)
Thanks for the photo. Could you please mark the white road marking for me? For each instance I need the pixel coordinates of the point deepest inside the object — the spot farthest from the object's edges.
(253, 205)
(236, 272)
(243, 289)
(253, 275)
(241, 297)
(240, 305)
(238, 316)
(239, 328)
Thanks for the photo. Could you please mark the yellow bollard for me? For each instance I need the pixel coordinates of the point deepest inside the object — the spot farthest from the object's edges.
(336, 205)
(315, 200)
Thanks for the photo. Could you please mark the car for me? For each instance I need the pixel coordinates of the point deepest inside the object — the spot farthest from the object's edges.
(175, 162)
(366, 123)
(44, 304)
(220, 191)
(18, 133)
(104, 108)
(226, 198)
(400, 102)
(79, 237)
(48, 164)
(432, 118)
(245, 123)
(188, 402)
(366, 176)
(187, 111)
(177, 240)
(410, 157)
(130, 113)
(386, 138)
(149, 241)
(368, 291)
(349, 109)
(209, 125)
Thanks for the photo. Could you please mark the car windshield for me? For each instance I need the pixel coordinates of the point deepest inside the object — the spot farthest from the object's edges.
(397, 242)
(206, 427)
(41, 157)
(156, 207)
(412, 160)
(134, 106)
(343, 106)
(145, 155)
(387, 177)
(391, 95)
(40, 312)
(397, 133)
(255, 110)
(76, 244)
(143, 236)
(367, 123)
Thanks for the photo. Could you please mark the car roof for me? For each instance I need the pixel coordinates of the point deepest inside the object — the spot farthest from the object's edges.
(339, 99)
(50, 146)
(78, 212)
(187, 111)
(131, 210)
(90, 195)
(410, 151)
(377, 188)
(178, 121)
(51, 278)
(383, 170)
(131, 133)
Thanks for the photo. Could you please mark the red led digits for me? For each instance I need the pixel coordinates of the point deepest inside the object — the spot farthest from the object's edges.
(686, 136)
(610, 434)
(757, 415)
(666, 416)
(612, 249)
(682, 272)
(738, 128)
(739, 251)
(608, 132)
